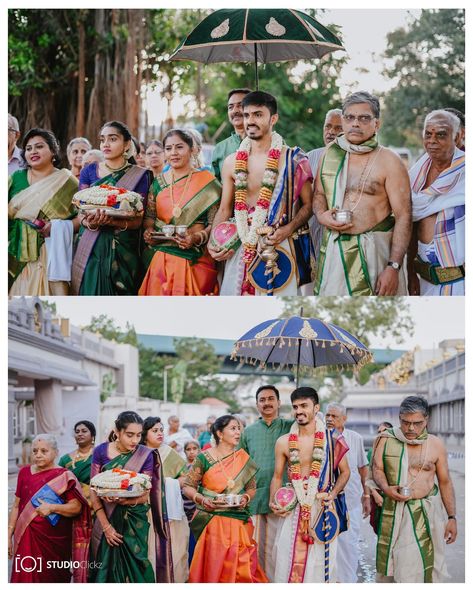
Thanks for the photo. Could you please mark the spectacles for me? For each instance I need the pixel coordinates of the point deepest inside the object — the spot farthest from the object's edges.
(363, 119)
(12, 130)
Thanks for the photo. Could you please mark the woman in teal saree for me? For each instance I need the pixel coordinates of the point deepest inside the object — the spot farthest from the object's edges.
(107, 259)
(120, 533)
(79, 461)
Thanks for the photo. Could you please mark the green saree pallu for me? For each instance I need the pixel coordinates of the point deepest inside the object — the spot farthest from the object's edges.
(81, 469)
(127, 562)
(110, 262)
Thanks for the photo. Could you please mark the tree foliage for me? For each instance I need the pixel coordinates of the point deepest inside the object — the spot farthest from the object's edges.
(428, 65)
(109, 329)
(202, 365)
(72, 70)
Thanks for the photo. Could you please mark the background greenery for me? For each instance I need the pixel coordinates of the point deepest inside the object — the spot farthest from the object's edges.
(71, 70)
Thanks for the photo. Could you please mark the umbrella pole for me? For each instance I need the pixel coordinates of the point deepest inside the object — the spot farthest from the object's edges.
(256, 66)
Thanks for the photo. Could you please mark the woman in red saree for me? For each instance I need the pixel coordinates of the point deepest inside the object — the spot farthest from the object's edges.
(225, 549)
(186, 197)
(39, 547)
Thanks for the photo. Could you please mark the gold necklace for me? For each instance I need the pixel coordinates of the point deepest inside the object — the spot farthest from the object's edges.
(230, 480)
(116, 169)
(176, 208)
(78, 455)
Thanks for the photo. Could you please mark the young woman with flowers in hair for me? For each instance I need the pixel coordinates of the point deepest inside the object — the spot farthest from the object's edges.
(120, 535)
(107, 258)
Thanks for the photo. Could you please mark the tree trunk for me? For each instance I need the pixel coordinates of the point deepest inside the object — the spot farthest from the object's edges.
(80, 116)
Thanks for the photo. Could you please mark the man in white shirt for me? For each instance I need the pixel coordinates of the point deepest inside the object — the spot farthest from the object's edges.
(356, 493)
(176, 437)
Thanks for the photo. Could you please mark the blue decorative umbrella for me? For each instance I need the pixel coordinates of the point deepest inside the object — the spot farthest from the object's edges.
(301, 342)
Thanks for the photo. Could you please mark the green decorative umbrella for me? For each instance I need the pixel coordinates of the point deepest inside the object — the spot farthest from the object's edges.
(257, 35)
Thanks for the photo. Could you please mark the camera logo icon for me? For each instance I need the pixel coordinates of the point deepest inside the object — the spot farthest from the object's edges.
(28, 564)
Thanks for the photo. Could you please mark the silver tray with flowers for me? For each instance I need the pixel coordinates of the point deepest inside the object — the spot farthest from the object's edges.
(120, 483)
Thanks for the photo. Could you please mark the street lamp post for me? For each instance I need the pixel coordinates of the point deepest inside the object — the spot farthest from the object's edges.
(165, 382)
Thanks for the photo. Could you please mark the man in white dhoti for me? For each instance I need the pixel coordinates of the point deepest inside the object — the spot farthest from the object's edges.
(363, 253)
(267, 189)
(318, 472)
(357, 494)
(436, 261)
(418, 516)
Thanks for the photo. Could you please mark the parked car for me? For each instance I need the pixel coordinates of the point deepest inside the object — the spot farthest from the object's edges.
(368, 430)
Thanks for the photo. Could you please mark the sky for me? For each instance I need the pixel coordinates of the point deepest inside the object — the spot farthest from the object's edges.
(231, 317)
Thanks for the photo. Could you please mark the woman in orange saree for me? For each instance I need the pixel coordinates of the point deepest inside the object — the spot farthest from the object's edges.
(225, 549)
(184, 197)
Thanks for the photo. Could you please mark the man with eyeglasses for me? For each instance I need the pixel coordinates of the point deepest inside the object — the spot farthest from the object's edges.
(436, 259)
(366, 187)
(231, 144)
(418, 514)
(15, 159)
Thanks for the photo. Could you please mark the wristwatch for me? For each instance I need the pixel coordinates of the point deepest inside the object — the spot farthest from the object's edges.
(394, 265)
(452, 517)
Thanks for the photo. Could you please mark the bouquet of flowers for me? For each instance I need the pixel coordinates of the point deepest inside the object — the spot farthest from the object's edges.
(113, 200)
(120, 483)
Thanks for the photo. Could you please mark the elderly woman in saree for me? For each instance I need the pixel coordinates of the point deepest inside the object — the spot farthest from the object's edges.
(76, 150)
(49, 521)
(225, 549)
(120, 536)
(107, 260)
(79, 460)
(173, 469)
(188, 198)
(41, 225)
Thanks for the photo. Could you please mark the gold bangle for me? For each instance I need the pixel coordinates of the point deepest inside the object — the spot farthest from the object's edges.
(98, 509)
(248, 496)
(107, 527)
(124, 228)
(366, 495)
(87, 225)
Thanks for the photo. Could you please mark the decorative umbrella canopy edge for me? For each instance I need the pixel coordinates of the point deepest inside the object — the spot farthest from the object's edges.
(299, 341)
(264, 35)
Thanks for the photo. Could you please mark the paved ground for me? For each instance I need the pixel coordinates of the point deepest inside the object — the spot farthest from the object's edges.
(455, 552)
(366, 570)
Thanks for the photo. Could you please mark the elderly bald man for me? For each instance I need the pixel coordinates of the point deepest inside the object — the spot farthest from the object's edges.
(437, 249)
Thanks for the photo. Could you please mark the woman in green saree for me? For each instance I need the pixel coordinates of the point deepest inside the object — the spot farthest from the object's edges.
(40, 220)
(120, 534)
(107, 260)
(225, 549)
(79, 461)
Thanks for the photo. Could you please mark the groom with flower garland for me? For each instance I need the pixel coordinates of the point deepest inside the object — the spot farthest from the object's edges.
(318, 471)
(267, 189)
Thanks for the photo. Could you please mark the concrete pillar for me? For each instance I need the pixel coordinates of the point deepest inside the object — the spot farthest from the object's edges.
(48, 406)
(12, 468)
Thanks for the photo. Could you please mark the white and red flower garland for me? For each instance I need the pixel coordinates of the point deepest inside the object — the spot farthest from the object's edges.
(306, 490)
(105, 195)
(248, 231)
